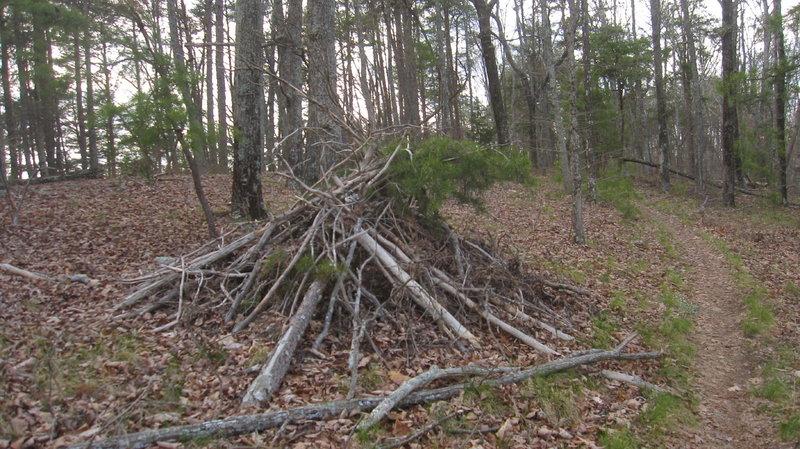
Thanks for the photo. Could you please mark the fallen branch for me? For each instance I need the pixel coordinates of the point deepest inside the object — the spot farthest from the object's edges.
(690, 177)
(636, 381)
(273, 372)
(243, 424)
(417, 292)
(79, 278)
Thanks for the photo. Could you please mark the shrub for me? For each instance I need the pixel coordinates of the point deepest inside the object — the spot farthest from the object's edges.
(434, 170)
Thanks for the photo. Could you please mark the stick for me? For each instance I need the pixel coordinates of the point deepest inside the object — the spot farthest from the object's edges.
(310, 233)
(637, 381)
(397, 442)
(418, 294)
(488, 316)
(80, 278)
(244, 424)
(273, 372)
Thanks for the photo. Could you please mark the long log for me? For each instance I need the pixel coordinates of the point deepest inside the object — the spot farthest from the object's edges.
(690, 177)
(238, 425)
(273, 372)
(81, 174)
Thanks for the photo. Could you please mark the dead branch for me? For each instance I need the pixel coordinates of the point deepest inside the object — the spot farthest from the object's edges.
(79, 278)
(243, 424)
(418, 294)
(636, 381)
(271, 376)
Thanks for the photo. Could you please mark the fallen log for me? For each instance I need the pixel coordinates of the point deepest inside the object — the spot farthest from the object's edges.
(243, 424)
(690, 177)
(273, 372)
(79, 278)
(80, 174)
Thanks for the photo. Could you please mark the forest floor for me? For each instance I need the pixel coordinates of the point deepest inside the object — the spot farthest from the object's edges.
(717, 290)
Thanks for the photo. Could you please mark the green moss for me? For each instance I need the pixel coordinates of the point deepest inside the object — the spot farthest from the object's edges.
(619, 439)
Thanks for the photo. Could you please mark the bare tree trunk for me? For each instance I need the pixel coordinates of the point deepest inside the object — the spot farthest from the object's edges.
(290, 105)
(729, 120)
(91, 125)
(363, 79)
(80, 116)
(555, 100)
(661, 106)
(9, 119)
(579, 234)
(591, 153)
(696, 122)
(111, 145)
(247, 198)
(484, 12)
(219, 60)
(780, 101)
(208, 31)
(324, 136)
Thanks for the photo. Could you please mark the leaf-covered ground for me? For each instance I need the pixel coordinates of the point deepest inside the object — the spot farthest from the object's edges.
(70, 372)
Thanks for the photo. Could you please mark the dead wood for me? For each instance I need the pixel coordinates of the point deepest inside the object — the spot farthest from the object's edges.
(636, 381)
(79, 278)
(273, 372)
(690, 177)
(350, 233)
(80, 174)
(243, 424)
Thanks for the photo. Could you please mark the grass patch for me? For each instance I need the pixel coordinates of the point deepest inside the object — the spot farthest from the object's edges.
(619, 439)
(616, 189)
(557, 396)
(760, 316)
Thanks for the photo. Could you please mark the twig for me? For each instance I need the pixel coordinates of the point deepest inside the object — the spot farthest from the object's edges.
(397, 442)
(636, 381)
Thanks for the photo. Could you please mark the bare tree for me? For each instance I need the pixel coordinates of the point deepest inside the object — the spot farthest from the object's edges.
(661, 106)
(247, 198)
(324, 136)
(729, 120)
(484, 11)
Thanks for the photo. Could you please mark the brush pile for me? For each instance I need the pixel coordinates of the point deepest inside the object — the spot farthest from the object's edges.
(353, 249)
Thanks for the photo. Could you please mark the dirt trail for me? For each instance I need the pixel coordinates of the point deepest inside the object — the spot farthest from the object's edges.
(724, 368)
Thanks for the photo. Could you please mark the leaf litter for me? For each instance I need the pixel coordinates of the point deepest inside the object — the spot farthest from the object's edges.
(71, 372)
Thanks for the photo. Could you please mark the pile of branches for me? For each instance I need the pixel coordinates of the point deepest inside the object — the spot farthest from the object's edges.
(352, 246)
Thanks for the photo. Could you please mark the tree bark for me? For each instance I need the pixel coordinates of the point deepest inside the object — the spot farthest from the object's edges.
(696, 120)
(729, 120)
(780, 101)
(324, 135)
(9, 119)
(661, 100)
(484, 12)
(273, 372)
(91, 126)
(290, 104)
(208, 30)
(247, 198)
(219, 61)
(555, 100)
